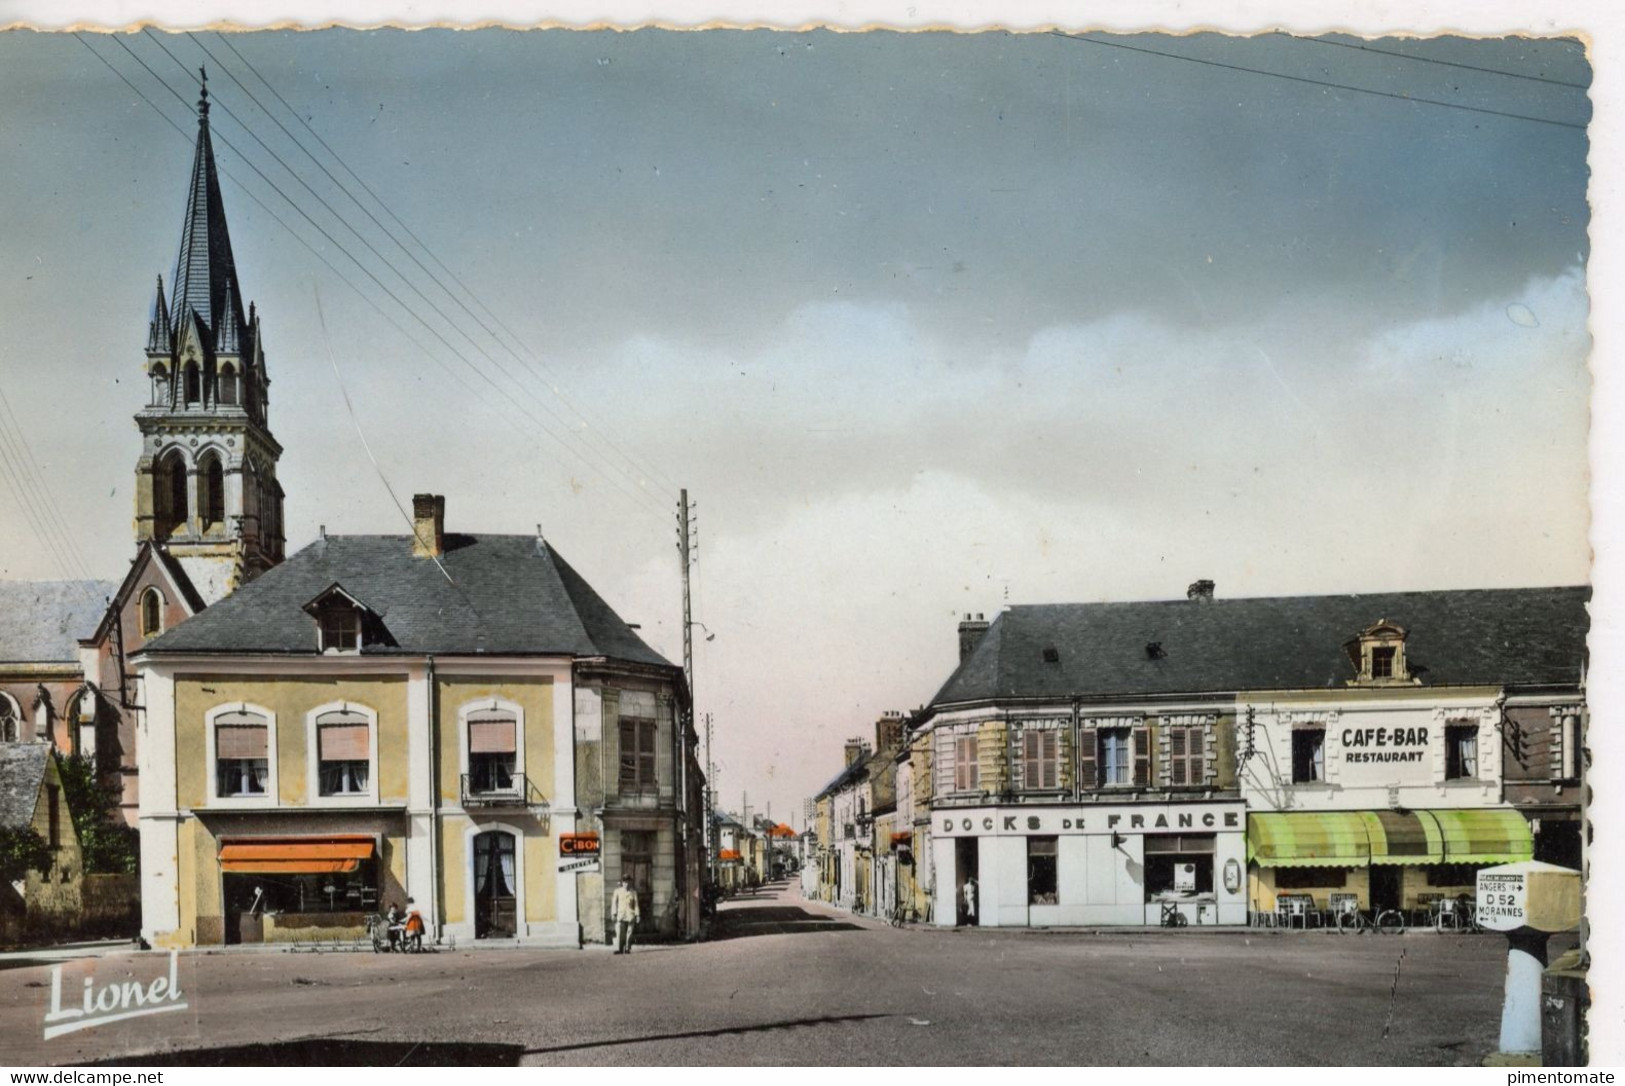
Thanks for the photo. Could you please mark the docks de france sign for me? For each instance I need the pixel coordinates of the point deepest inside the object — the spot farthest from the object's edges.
(1137, 818)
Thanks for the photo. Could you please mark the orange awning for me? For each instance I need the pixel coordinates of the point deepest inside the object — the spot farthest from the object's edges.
(727, 854)
(296, 855)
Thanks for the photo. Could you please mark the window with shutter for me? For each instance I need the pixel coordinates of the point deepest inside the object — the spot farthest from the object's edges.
(1187, 755)
(241, 754)
(1115, 760)
(1088, 759)
(966, 770)
(1142, 757)
(344, 754)
(1040, 759)
(638, 755)
(492, 750)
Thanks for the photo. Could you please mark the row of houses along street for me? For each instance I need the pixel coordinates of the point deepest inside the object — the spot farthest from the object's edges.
(1212, 761)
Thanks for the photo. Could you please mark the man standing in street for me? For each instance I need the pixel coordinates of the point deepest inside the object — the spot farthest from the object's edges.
(624, 911)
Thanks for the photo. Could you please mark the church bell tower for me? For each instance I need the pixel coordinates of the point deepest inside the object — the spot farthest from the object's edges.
(206, 486)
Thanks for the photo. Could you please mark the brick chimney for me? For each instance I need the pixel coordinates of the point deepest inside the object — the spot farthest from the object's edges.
(970, 634)
(428, 525)
(1200, 591)
(889, 731)
(856, 749)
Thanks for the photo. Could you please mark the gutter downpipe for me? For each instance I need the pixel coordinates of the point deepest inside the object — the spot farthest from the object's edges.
(434, 800)
(1077, 733)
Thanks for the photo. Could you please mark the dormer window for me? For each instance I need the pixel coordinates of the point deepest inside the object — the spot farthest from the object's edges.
(343, 623)
(1378, 654)
(341, 629)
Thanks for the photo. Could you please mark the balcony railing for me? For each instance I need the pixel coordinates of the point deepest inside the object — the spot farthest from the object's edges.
(509, 792)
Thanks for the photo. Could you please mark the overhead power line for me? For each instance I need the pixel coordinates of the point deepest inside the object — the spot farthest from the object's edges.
(410, 285)
(1313, 82)
(1435, 60)
(504, 400)
(531, 358)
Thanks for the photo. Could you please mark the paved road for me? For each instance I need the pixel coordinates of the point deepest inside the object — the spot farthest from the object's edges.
(793, 982)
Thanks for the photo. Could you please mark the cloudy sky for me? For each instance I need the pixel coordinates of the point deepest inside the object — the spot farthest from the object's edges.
(925, 323)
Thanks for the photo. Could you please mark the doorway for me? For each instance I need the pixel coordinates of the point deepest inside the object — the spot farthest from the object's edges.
(967, 903)
(1385, 886)
(495, 915)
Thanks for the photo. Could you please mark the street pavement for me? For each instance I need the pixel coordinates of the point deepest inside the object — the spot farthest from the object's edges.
(788, 981)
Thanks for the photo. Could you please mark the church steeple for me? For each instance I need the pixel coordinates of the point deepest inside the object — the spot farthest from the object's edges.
(206, 484)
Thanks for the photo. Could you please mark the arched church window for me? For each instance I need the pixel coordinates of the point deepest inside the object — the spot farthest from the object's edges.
(10, 720)
(194, 384)
(211, 478)
(228, 385)
(169, 511)
(152, 613)
(160, 385)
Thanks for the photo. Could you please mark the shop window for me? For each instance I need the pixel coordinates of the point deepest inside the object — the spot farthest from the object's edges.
(638, 755)
(1452, 875)
(1187, 755)
(242, 758)
(1178, 864)
(1041, 759)
(1308, 755)
(966, 775)
(1311, 878)
(1043, 886)
(344, 754)
(492, 750)
(304, 892)
(1460, 752)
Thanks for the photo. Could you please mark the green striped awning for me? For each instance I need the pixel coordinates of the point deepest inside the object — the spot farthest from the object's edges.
(1409, 838)
(1485, 836)
(1308, 839)
(1358, 838)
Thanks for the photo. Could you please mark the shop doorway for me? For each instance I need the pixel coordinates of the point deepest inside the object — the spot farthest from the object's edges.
(495, 915)
(1385, 886)
(968, 904)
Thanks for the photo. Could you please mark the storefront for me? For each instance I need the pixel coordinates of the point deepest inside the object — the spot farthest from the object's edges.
(284, 888)
(1091, 864)
(1388, 859)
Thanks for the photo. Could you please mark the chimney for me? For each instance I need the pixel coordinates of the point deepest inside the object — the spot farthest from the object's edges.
(889, 731)
(1200, 591)
(970, 634)
(856, 749)
(428, 525)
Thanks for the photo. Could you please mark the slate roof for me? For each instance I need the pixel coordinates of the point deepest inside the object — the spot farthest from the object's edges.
(1521, 636)
(845, 777)
(509, 595)
(205, 278)
(22, 767)
(41, 622)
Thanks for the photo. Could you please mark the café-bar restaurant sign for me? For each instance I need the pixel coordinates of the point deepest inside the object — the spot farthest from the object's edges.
(1139, 818)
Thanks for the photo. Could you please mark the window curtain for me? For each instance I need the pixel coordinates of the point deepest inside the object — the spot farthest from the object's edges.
(1467, 753)
(505, 854)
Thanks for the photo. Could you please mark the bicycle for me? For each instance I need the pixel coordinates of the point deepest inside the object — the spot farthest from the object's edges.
(1385, 921)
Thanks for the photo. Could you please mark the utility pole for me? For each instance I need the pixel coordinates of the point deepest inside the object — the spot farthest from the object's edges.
(685, 547)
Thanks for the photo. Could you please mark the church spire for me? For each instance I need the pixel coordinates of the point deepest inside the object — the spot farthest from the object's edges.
(159, 337)
(205, 279)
